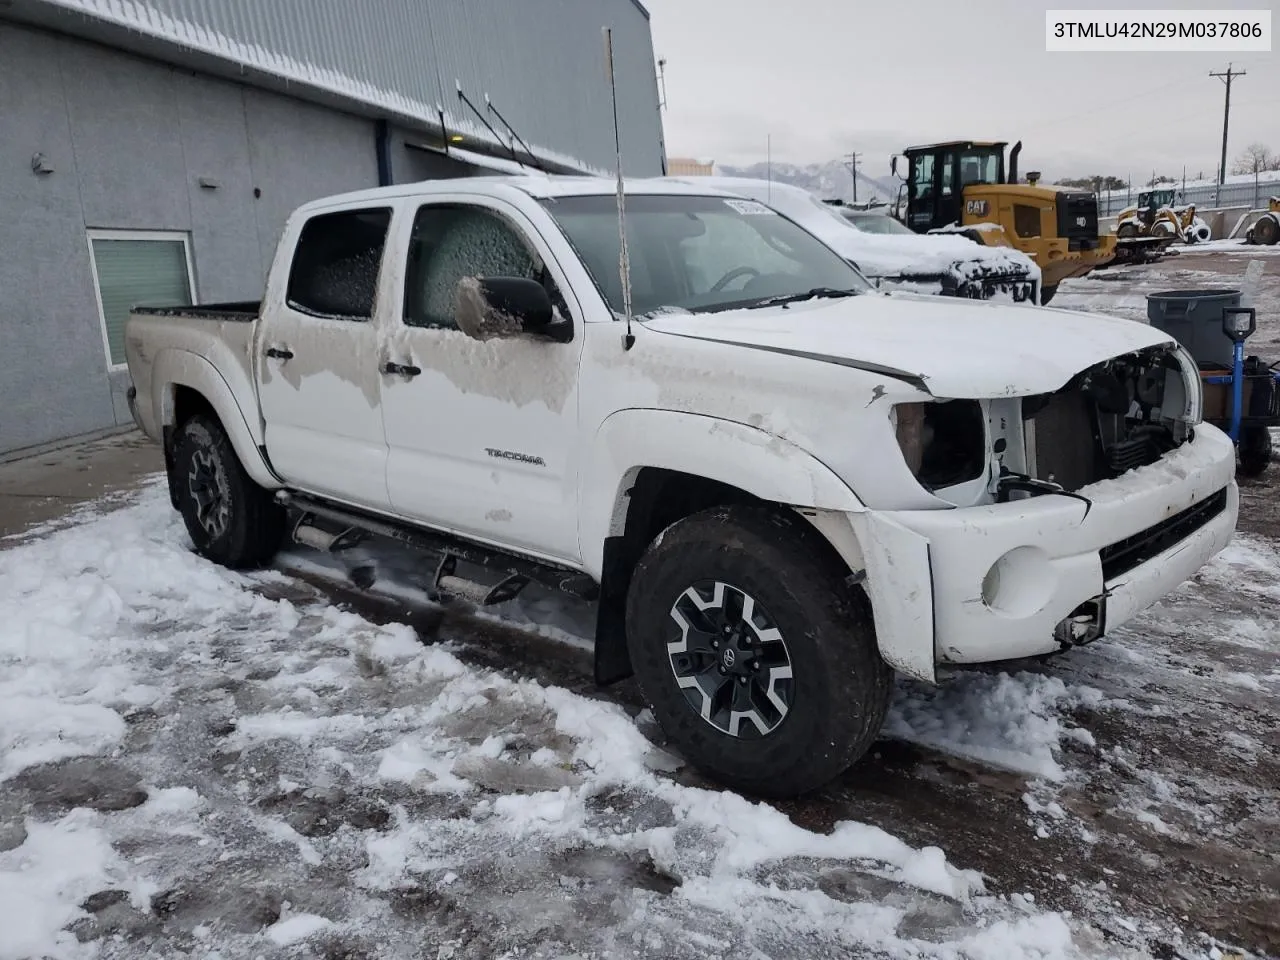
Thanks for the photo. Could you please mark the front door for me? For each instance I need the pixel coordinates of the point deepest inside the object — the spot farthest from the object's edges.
(317, 362)
(481, 434)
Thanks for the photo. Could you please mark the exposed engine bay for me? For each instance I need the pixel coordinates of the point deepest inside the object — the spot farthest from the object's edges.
(1112, 418)
(1115, 417)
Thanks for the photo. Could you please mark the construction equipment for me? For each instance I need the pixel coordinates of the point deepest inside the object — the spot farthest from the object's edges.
(1156, 214)
(1266, 229)
(961, 187)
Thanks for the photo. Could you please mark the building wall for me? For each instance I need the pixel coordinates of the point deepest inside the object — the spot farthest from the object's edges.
(128, 141)
(541, 62)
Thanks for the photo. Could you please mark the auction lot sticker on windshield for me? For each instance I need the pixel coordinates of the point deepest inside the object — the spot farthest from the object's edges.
(1158, 31)
(748, 206)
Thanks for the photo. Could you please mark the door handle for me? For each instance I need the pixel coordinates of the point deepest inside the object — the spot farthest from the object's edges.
(404, 369)
(280, 353)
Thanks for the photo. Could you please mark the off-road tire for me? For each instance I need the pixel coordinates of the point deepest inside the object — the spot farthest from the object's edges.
(1266, 231)
(252, 529)
(1127, 230)
(840, 685)
(1255, 450)
(1047, 294)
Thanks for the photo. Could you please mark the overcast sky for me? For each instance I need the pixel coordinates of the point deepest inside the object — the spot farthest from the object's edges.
(826, 77)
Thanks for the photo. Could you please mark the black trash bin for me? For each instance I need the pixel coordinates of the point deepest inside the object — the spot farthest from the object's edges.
(1194, 319)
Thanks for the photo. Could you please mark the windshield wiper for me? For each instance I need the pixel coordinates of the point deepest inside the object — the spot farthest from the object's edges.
(817, 293)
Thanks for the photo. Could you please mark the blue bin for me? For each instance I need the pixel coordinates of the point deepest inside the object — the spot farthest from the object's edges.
(1194, 319)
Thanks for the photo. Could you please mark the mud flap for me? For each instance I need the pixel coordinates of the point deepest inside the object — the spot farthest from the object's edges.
(900, 584)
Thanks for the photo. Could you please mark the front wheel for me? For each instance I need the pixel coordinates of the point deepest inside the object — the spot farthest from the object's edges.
(230, 519)
(758, 659)
(1047, 293)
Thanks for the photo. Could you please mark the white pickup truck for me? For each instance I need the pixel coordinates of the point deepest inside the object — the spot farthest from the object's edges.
(779, 485)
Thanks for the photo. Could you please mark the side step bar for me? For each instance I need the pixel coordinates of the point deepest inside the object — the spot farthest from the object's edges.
(518, 572)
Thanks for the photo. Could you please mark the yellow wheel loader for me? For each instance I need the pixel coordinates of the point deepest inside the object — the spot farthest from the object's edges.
(961, 187)
(1266, 229)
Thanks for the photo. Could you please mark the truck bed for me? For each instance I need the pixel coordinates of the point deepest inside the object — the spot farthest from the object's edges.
(243, 311)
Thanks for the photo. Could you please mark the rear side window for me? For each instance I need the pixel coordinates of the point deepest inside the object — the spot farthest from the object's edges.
(336, 263)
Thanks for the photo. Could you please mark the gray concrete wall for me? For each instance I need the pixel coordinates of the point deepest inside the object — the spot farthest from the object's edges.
(128, 141)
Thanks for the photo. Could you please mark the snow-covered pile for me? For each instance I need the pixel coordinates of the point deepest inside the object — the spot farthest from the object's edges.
(202, 762)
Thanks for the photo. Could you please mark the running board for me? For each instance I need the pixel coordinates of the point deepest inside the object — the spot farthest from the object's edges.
(448, 582)
(518, 572)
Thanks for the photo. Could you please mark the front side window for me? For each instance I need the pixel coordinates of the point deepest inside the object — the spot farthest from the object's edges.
(453, 242)
(336, 263)
(137, 269)
(699, 254)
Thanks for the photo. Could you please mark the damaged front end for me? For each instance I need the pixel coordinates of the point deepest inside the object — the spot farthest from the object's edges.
(1114, 417)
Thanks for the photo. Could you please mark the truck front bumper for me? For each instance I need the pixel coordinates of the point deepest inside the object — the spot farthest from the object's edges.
(1039, 575)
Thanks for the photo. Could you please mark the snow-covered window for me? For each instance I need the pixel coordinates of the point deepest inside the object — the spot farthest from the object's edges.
(451, 243)
(336, 263)
(136, 268)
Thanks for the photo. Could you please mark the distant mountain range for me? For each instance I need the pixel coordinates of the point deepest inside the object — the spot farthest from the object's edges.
(828, 180)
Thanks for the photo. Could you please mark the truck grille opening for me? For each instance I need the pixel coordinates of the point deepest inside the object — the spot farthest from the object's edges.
(1108, 420)
(1123, 555)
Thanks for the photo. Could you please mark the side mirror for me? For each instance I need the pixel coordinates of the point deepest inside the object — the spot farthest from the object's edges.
(488, 308)
(893, 165)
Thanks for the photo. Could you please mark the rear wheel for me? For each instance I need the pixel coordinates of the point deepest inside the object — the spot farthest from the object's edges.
(758, 659)
(1127, 230)
(230, 519)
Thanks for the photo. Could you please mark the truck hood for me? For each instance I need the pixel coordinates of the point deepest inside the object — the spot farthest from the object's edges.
(951, 347)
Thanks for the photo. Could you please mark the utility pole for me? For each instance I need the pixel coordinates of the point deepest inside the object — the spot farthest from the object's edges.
(1226, 116)
(852, 164)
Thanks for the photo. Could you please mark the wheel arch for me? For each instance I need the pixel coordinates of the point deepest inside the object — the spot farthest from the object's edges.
(651, 468)
(187, 384)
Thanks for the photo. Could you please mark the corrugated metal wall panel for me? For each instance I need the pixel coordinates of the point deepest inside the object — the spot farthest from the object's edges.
(540, 61)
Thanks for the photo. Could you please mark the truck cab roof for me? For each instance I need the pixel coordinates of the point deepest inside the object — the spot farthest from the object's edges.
(537, 185)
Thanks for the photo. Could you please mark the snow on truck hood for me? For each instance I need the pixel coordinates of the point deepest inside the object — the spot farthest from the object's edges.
(954, 348)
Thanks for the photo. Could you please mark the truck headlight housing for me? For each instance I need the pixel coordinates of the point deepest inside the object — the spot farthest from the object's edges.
(943, 442)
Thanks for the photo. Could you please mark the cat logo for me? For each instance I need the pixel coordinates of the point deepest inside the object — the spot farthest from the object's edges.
(975, 208)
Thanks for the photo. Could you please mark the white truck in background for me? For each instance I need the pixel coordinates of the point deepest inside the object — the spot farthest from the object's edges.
(779, 485)
(895, 257)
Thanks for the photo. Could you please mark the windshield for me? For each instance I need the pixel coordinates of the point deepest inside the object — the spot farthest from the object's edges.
(877, 223)
(699, 254)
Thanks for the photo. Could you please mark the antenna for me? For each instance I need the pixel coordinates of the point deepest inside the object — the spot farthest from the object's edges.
(624, 259)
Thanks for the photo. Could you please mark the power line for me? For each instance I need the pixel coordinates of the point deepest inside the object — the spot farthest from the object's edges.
(1226, 116)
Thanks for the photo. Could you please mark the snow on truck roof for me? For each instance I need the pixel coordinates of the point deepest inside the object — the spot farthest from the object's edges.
(538, 185)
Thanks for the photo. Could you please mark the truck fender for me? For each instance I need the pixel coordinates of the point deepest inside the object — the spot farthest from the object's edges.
(175, 368)
(742, 456)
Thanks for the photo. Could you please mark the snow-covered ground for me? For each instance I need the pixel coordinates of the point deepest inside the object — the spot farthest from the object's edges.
(200, 763)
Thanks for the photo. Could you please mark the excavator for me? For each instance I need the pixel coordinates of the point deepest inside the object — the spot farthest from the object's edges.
(961, 187)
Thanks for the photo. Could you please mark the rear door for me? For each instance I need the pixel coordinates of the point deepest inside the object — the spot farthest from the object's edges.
(482, 434)
(317, 358)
